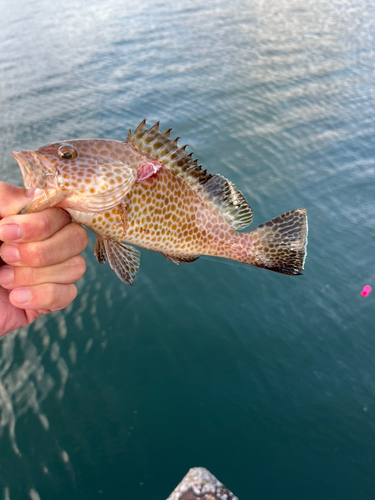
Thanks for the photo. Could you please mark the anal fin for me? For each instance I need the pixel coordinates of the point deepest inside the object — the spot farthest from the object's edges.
(176, 259)
(123, 259)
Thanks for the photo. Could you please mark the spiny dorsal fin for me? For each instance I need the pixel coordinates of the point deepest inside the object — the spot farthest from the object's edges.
(218, 191)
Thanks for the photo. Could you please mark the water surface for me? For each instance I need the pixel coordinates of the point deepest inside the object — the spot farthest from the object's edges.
(266, 380)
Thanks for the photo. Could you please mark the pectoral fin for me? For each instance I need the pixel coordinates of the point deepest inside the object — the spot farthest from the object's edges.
(99, 250)
(109, 191)
(108, 197)
(123, 259)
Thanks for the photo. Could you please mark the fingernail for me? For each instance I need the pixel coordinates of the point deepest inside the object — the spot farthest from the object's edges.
(10, 254)
(10, 232)
(21, 295)
(6, 275)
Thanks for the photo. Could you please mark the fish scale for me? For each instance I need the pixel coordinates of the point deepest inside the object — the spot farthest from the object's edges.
(148, 192)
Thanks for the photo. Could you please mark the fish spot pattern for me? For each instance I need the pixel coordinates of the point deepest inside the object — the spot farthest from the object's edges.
(164, 220)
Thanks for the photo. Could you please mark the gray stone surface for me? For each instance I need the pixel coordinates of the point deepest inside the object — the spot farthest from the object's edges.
(200, 484)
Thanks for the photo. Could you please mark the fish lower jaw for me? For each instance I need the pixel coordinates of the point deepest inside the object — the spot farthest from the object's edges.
(42, 199)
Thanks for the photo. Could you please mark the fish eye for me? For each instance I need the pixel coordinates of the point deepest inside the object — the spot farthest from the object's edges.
(67, 152)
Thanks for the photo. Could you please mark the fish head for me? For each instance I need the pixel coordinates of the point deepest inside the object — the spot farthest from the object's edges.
(75, 173)
(67, 160)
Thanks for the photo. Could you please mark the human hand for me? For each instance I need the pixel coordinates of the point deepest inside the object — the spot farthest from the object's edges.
(39, 260)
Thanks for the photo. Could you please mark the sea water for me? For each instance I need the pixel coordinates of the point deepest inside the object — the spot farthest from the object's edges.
(266, 380)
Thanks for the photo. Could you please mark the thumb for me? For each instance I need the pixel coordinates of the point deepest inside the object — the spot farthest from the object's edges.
(12, 199)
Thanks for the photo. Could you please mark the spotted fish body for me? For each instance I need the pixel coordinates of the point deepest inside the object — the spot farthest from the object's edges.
(148, 192)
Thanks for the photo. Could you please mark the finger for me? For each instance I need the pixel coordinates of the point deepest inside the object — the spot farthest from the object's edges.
(49, 296)
(71, 240)
(13, 199)
(33, 227)
(69, 271)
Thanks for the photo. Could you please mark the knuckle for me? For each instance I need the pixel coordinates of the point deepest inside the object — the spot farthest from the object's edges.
(61, 296)
(42, 225)
(52, 295)
(37, 254)
(36, 226)
(79, 265)
(79, 235)
(56, 219)
(26, 276)
(76, 267)
(74, 293)
(45, 222)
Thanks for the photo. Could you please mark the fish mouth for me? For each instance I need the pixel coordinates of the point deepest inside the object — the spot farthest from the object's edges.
(23, 159)
(34, 168)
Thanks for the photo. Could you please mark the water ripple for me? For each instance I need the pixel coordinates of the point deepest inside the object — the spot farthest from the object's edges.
(277, 96)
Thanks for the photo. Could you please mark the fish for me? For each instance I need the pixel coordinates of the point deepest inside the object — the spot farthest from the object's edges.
(148, 192)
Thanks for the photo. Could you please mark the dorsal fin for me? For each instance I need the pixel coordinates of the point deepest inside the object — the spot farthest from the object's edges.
(218, 191)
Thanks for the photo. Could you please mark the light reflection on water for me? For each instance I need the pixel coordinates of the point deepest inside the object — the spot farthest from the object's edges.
(248, 373)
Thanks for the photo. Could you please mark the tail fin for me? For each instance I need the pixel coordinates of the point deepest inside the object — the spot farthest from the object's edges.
(280, 244)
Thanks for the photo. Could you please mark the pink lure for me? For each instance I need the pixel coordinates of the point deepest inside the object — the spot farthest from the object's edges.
(366, 290)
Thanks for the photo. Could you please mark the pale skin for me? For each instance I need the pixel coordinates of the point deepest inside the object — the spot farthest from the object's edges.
(40, 260)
